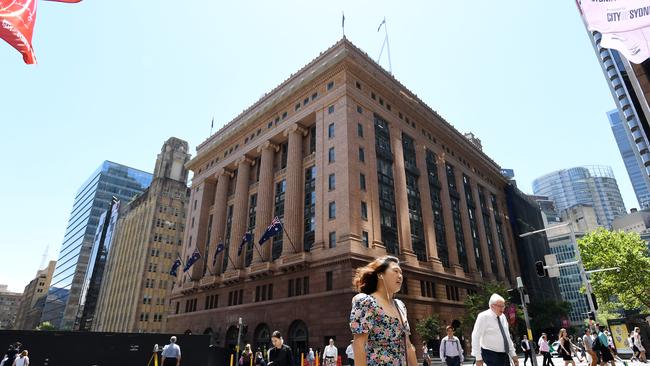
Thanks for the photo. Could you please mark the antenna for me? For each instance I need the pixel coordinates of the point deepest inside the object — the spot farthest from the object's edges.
(390, 67)
(44, 258)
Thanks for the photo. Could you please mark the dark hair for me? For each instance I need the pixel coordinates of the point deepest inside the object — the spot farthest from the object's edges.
(276, 334)
(449, 327)
(365, 279)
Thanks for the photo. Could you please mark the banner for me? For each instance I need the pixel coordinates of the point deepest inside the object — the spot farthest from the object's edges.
(17, 19)
(619, 335)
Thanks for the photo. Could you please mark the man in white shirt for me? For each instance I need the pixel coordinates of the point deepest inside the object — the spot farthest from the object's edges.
(350, 353)
(451, 351)
(491, 343)
(171, 354)
(525, 346)
(330, 354)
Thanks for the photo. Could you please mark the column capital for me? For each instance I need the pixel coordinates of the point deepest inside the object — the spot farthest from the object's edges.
(268, 145)
(296, 127)
(223, 172)
(244, 160)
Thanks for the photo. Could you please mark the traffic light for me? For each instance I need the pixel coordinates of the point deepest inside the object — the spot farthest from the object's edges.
(593, 298)
(539, 268)
(592, 315)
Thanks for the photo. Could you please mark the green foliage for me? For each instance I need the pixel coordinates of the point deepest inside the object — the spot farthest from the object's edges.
(547, 313)
(604, 249)
(45, 326)
(478, 302)
(429, 327)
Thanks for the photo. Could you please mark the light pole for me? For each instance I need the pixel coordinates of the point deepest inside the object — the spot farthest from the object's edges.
(520, 287)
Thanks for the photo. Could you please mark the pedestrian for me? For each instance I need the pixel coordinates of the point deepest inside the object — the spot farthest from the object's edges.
(603, 349)
(426, 359)
(22, 360)
(545, 350)
(246, 356)
(259, 359)
(490, 342)
(587, 343)
(638, 346)
(451, 351)
(378, 320)
(311, 357)
(10, 355)
(525, 346)
(566, 348)
(171, 354)
(349, 352)
(330, 354)
(280, 354)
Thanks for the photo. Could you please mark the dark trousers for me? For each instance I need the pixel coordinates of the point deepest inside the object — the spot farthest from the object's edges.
(547, 359)
(351, 361)
(527, 355)
(169, 362)
(492, 358)
(452, 361)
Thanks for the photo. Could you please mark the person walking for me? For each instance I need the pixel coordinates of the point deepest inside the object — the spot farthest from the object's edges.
(259, 359)
(378, 320)
(490, 341)
(311, 357)
(330, 353)
(22, 360)
(587, 343)
(451, 351)
(426, 359)
(280, 354)
(171, 354)
(545, 350)
(349, 352)
(246, 356)
(525, 346)
(566, 348)
(638, 346)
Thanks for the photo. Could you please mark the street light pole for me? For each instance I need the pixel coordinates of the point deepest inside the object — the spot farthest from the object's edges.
(583, 273)
(520, 287)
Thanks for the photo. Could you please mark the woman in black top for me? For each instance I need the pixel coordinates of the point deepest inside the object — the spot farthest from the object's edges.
(566, 348)
(280, 354)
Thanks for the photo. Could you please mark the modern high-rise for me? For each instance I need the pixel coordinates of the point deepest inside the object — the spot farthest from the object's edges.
(31, 308)
(355, 166)
(588, 185)
(632, 160)
(110, 180)
(135, 291)
(630, 88)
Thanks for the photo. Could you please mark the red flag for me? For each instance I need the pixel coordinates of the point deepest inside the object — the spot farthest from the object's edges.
(17, 19)
(66, 1)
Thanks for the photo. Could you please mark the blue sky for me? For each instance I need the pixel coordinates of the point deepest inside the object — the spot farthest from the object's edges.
(115, 79)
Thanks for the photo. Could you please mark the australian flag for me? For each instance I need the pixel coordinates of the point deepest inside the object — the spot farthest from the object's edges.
(220, 249)
(193, 258)
(177, 263)
(245, 239)
(272, 230)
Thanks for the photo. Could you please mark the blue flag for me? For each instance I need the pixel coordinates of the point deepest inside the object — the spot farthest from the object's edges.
(175, 265)
(272, 230)
(193, 258)
(245, 239)
(220, 249)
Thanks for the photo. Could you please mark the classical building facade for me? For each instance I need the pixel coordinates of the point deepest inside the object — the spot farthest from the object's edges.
(356, 167)
(148, 237)
(9, 302)
(30, 308)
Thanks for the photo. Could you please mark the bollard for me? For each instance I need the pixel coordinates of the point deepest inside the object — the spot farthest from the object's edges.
(302, 359)
(339, 361)
(251, 359)
(231, 356)
(317, 359)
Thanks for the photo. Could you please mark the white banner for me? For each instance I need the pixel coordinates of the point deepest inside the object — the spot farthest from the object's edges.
(613, 16)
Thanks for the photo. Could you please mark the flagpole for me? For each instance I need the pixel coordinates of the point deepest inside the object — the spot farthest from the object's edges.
(258, 251)
(343, 23)
(390, 66)
(232, 262)
(288, 237)
(211, 126)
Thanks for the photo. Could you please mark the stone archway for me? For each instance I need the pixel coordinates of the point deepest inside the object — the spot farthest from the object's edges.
(262, 338)
(231, 339)
(298, 338)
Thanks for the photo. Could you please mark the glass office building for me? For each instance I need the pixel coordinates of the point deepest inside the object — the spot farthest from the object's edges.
(588, 185)
(92, 199)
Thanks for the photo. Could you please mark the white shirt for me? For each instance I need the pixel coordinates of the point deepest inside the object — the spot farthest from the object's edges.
(21, 361)
(350, 352)
(450, 347)
(171, 350)
(486, 334)
(330, 351)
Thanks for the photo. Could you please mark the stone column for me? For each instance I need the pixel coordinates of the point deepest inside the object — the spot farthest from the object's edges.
(464, 219)
(204, 198)
(240, 210)
(487, 267)
(264, 200)
(219, 218)
(294, 198)
(495, 238)
(448, 217)
(401, 198)
(427, 210)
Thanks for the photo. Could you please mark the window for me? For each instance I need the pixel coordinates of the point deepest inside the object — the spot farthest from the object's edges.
(359, 109)
(329, 279)
(330, 109)
(373, 96)
(330, 85)
(314, 96)
(358, 85)
(331, 155)
(364, 238)
(359, 130)
(332, 210)
(332, 182)
(330, 130)
(297, 107)
(332, 239)
(284, 115)
(362, 155)
(364, 211)
(362, 181)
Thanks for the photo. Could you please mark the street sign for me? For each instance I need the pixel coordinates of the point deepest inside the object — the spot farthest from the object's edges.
(551, 262)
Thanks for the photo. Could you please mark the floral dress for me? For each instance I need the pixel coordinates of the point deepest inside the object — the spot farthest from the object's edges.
(386, 334)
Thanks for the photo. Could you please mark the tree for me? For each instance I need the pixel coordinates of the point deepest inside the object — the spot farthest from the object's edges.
(429, 327)
(45, 326)
(546, 314)
(604, 249)
(477, 302)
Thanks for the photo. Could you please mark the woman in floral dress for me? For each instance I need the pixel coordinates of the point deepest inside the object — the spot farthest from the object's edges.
(377, 320)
